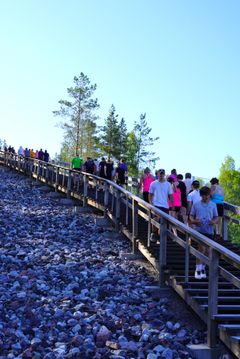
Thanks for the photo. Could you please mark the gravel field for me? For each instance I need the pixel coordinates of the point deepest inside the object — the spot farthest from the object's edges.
(66, 293)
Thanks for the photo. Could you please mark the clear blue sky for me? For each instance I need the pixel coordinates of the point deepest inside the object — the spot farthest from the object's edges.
(178, 61)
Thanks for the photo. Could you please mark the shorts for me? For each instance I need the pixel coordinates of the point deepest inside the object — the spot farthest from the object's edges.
(165, 210)
(176, 209)
(210, 236)
(145, 196)
(220, 209)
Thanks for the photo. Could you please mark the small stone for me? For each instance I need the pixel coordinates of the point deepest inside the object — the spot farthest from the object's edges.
(103, 335)
(112, 345)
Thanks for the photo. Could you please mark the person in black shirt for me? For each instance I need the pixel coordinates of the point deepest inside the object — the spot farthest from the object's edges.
(102, 168)
(181, 185)
(109, 169)
(120, 175)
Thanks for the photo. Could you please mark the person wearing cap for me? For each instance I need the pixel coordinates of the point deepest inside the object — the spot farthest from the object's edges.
(160, 192)
(204, 217)
(188, 181)
(217, 196)
(183, 211)
(145, 181)
(193, 196)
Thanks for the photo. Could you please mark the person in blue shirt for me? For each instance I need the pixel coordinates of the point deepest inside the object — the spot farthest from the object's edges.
(217, 196)
(204, 216)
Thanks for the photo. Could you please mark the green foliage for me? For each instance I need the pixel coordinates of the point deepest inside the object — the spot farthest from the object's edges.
(230, 181)
(132, 148)
(123, 136)
(114, 136)
(79, 120)
(138, 144)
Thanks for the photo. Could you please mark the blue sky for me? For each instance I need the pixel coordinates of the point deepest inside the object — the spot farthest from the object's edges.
(178, 61)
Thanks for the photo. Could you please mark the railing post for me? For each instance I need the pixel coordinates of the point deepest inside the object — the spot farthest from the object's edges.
(126, 211)
(19, 163)
(106, 198)
(212, 298)
(47, 173)
(69, 182)
(187, 255)
(162, 250)
(30, 168)
(85, 189)
(57, 179)
(134, 225)
(117, 212)
(224, 227)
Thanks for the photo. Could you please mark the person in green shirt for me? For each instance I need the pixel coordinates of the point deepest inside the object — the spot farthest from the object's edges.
(77, 163)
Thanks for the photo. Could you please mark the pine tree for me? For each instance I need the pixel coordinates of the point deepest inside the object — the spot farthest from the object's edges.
(80, 121)
(110, 135)
(140, 142)
(123, 136)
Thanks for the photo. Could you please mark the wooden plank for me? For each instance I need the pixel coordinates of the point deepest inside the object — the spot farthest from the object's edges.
(162, 250)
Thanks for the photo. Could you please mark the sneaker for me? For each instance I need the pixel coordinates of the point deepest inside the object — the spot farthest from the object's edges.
(153, 237)
(198, 274)
(203, 274)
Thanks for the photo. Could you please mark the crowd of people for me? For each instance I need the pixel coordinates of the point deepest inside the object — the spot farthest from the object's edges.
(200, 208)
(29, 153)
(104, 168)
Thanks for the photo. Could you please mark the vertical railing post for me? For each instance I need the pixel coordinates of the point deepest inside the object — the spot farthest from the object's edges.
(30, 168)
(47, 173)
(149, 228)
(106, 198)
(187, 256)
(63, 178)
(162, 250)
(117, 210)
(212, 298)
(126, 211)
(134, 225)
(57, 179)
(85, 189)
(19, 163)
(224, 226)
(69, 182)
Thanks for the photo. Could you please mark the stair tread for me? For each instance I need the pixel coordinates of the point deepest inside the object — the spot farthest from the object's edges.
(224, 306)
(231, 317)
(229, 326)
(219, 298)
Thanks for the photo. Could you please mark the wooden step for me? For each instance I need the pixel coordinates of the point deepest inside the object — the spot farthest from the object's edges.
(203, 283)
(235, 339)
(181, 278)
(220, 299)
(227, 318)
(223, 292)
(230, 328)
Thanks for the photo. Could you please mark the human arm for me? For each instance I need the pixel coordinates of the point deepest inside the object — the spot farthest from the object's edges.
(150, 198)
(140, 183)
(214, 220)
(172, 201)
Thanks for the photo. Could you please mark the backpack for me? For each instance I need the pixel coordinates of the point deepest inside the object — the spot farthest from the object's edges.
(89, 166)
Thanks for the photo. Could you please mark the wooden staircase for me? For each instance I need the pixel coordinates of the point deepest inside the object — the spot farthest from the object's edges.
(195, 293)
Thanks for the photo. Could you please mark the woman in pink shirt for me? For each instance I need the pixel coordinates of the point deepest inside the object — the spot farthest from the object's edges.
(176, 198)
(145, 180)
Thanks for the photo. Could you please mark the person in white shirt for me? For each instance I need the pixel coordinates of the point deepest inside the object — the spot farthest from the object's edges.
(160, 192)
(194, 196)
(188, 182)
